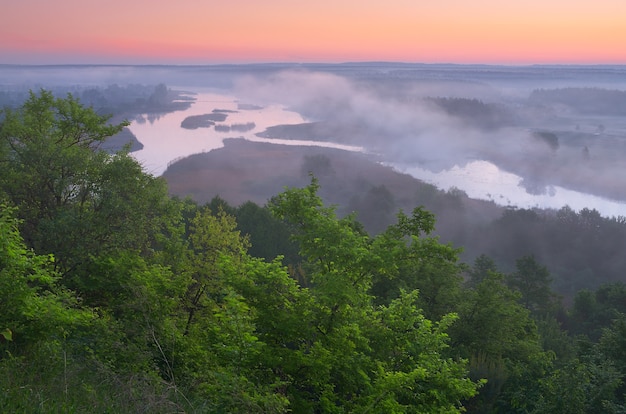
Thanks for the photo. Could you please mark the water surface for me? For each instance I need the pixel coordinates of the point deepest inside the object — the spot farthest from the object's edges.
(165, 141)
(485, 181)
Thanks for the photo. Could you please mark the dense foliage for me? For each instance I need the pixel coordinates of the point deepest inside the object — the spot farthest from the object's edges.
(115, 297)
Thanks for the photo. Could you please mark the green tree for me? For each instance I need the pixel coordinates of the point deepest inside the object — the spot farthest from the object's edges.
(594, 311)
(416, 260)
(110, 228)
(211, 236)
(76, 201)
(610, 352)
(533, 280)
(33, 306)
(358, 356)
(578, 388)
(498, 336)
(483, 267)
(269, 237)
(411, 380)
(492, 322)
(212, 343)
(48, 147)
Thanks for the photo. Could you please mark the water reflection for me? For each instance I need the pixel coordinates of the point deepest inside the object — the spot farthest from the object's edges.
(165, 141)
(484, 180)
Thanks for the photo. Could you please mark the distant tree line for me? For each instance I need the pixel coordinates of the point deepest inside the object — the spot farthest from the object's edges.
(475, 112)
(114, 99)
(596, 101)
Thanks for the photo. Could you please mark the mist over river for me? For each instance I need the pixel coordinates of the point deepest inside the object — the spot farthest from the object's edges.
(484, 180)
(165, 141)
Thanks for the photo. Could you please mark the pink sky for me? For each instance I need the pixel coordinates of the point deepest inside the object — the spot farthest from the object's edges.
(220, 31)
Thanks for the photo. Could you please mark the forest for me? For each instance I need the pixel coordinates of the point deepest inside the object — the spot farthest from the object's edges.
(581, 248)
(586, 100)
(117, 297)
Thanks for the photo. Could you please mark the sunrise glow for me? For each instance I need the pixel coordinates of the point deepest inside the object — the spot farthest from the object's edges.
(205, 32)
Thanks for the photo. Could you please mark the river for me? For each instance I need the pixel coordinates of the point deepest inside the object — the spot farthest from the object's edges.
(165, 141)
(485, 181)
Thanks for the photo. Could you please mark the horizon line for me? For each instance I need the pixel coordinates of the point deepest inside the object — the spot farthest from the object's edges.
(313, 63)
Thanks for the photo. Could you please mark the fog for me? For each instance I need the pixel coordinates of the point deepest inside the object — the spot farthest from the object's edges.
(441, 124)
(527, 121)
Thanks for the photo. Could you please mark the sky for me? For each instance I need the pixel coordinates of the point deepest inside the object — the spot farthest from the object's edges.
(247, 31)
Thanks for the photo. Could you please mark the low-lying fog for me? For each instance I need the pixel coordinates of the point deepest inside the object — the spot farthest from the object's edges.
(530, 136)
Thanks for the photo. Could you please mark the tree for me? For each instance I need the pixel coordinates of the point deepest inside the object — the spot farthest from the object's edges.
(49, 145)
(354, 355)
(611, 353)
(58, 355)
(483, 267)
(492, 321)
(579, 387)
(412, 378)
(210, 238)
(75, 200)
(417, 260)
(110, 228)
(594, 311)
(532, 281)
(34, 308)
(498, 336)
(269, 237)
